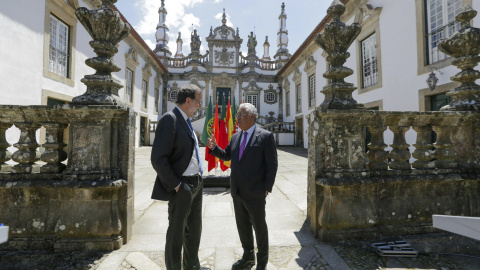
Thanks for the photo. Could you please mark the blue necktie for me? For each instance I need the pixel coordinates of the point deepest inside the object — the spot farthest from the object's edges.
(197, 149)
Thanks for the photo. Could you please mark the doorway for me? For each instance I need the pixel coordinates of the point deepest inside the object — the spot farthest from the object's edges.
(223, 92)
(299, 132)
(143, 131)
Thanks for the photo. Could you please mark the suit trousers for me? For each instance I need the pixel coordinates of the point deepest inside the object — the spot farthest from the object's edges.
(250, 214)
(184, 226)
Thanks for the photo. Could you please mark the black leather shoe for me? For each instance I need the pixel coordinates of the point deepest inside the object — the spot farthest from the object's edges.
(261, 266)
(243, 264)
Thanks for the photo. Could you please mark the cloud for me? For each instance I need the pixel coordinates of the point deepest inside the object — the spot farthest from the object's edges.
(217, 1)
(150, 44)
(176, 19)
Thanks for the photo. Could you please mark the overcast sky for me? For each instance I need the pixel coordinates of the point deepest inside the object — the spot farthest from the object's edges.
(260, 16)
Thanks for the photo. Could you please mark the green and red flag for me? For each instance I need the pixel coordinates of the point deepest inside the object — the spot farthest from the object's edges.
(230, 131)
(208, 130)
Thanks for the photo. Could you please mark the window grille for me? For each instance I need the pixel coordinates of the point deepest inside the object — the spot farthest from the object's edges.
(252, 99)
(311, 90)
(270, 97)
(369, 61)
(144, 93)
(173, 95)
(129, 93)
(58, 47)
(440, 24)
(299, 98)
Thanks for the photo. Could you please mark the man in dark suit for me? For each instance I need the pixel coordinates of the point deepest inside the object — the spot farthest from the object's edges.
(254, 166)
(176, 160)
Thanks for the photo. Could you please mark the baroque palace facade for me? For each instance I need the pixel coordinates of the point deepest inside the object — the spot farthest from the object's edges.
(45, 49)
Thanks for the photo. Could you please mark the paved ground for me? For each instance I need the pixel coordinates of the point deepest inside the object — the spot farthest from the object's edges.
(292, 245)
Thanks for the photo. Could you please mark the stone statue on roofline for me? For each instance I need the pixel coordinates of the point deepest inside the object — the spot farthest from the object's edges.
(251, 44)
(195, 42)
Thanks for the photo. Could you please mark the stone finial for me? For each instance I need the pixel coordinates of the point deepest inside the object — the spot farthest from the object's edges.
(335, 41)
(224, 17)
(163, 3)
(465, 47)
(238, 33)
(107, 29)
(195, 42)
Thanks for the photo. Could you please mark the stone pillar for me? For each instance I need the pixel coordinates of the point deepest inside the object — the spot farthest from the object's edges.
(5, 155)
(444, 153)
(400, 154)
(423, 148)
(377, 153)
(54, 153)
(27, 145)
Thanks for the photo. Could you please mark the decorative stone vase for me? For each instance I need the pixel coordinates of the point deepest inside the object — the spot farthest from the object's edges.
(465, 47)
(107, 29)
(335, 40)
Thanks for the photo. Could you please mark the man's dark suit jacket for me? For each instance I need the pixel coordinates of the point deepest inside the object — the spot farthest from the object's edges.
(171, 153)
(255, 172)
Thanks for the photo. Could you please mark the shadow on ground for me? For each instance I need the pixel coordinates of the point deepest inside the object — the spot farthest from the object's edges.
(49, 260)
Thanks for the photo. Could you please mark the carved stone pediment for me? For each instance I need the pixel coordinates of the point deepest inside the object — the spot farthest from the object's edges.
(252, 86)
(147, 70)
(366, 11)
(310, 63)
(223, 79)
(297, 75)
(132, 56)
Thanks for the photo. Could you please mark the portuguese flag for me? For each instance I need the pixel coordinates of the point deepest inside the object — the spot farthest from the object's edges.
(208, 130)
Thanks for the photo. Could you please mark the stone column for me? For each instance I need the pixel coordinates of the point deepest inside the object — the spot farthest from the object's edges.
(5, 155)
(54, 153)
(27, 145)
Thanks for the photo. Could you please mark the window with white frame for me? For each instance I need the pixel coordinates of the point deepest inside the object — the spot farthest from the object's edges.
(59, 47)
(440, 24)
(299, 98)
(157, 96)
(311, 90)
(144, 93)
(288, 103)
(129, 91)
(369, 61)
(252, 99)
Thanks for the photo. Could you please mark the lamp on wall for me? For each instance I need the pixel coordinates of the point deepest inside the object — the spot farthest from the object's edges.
(432, 80)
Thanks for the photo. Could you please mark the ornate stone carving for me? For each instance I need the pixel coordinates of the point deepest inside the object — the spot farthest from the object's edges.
(335, 40)
(270, 95)
(465, 47)
(107, 29)
(224, 57)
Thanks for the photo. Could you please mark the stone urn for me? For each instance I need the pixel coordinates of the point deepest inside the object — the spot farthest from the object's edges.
(107, 29)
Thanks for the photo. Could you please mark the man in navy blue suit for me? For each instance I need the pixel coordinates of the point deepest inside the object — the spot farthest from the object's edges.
(176, 159)
(254, 166)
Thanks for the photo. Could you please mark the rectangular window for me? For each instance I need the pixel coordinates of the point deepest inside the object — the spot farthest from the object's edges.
(252, 99)
(288, 103)
(129, 90)
(440, 24)
(299, 98)
(59, 46)
(157, 96)
(369, 61)
(144, 93)
(311, 90)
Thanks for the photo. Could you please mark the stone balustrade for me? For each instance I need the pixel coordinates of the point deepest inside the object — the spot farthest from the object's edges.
(283, 127)
(186, 61)
(357, 194)
(259, 63)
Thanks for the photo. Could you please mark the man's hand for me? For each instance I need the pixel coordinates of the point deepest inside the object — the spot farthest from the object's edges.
(211, 142)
